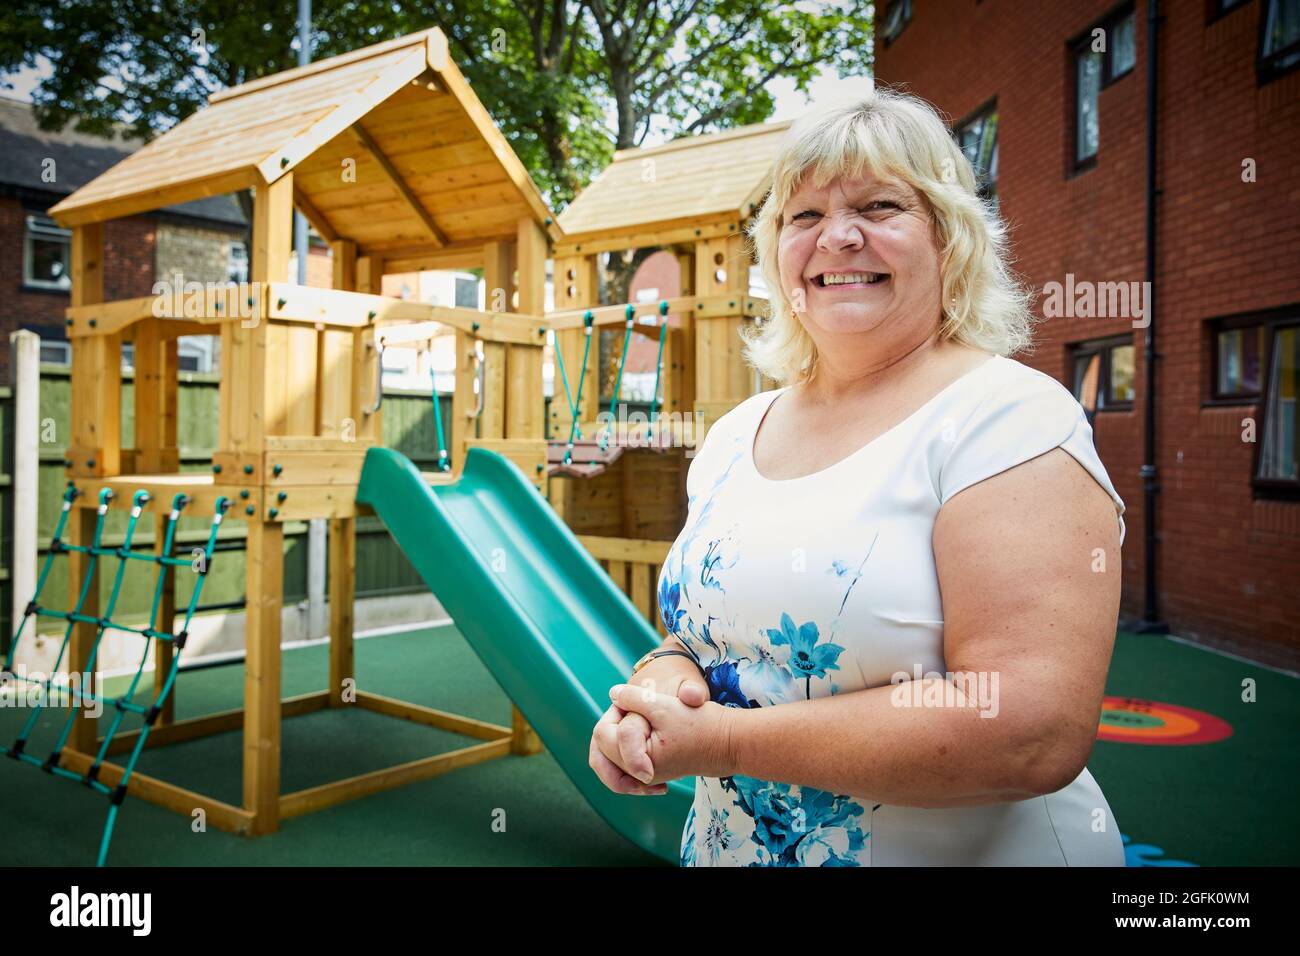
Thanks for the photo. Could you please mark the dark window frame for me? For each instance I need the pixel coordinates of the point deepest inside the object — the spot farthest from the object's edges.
(1266, 67)
(1079, 46)
(1277, 488)
(1213, 13)
(988, 109)
(1228, 324)
(37, 226)
(884, 17)
(1102, 347)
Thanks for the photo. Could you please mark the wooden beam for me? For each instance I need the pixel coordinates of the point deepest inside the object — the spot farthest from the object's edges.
(75, 211)
(96, 381)
(655, 234)
(332, 794)
(347, 111)
(525, 401)
(342, 593)
(419, 39)
(264, 595)
(314, 216)
(398, 183)
(454, 82)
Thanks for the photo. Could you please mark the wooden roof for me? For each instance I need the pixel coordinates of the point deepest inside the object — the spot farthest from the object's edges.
(432, 170)
(688, 181)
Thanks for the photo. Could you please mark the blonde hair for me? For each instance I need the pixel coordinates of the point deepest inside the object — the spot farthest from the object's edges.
(893, 135)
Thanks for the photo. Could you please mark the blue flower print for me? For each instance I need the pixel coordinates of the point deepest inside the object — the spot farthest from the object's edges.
(688, 840)
(763, 670)
(670, 596)
(807, 658)
(802, 826)
(724, 685)
(718, 839)
(1145, 854)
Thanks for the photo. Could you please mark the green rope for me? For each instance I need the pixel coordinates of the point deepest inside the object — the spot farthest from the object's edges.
(443, 463)
(123, 704)
(618, 379)
(564, 378)
(659, 366)
(587, 321)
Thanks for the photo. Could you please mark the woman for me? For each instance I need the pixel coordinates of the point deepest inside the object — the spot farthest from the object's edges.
(892, 607)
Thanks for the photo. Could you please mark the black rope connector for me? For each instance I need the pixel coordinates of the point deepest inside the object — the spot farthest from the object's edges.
(56, 546)
(158, 559)
(181, 638)
(103, 623)
(119, 794)
(32, 608)
(91, 776)
(51, 762)
(17, 748)
(151, 715)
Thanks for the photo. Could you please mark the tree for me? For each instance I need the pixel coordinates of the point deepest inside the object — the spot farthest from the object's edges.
(567, 80)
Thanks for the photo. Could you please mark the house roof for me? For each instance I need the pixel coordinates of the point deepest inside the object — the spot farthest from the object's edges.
(689, 180)
(388, 145)
(77, 159)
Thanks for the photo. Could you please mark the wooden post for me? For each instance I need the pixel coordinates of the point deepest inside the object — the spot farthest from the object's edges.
(463, 401)
(96, 400)
(366, 371)
(722, 379)
(96, 449)
(525, 400)
(25, 372)
(265, 557)
(336, 370)
(343, 576)
(156, 386)
(264, 550)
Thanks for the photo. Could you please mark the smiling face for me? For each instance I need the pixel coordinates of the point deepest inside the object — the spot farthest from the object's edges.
(859, 255)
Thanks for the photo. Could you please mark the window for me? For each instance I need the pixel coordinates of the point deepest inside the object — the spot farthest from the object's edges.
(1279, 46)
(1237, 361)
(978, 139)
(1279, 457)
(1103, 375)
(466, 292)
(47, 254)
(1102, 55)
(237, 262)
(898, 14)
(55, 352)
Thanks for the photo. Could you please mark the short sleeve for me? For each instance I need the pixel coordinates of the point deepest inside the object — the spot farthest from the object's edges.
(1019, 420)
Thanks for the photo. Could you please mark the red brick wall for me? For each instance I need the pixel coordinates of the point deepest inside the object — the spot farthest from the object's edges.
(1227, 563)
(128, 272)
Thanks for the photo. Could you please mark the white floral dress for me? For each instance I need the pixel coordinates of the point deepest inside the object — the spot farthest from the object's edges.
(826, 584)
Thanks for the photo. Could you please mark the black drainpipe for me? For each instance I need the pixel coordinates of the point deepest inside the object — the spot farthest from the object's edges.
(1151, 623)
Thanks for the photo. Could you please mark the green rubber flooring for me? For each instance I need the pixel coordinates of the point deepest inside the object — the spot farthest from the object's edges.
(1226, 803)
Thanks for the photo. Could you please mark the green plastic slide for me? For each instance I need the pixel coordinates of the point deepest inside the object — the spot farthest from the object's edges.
(538, 610)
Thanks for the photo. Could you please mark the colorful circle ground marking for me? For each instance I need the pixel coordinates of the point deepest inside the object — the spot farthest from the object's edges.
(1130, 720)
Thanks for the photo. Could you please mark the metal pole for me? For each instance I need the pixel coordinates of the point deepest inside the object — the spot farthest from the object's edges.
(316, 528)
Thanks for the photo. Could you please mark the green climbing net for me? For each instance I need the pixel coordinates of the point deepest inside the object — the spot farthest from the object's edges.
(79, 696)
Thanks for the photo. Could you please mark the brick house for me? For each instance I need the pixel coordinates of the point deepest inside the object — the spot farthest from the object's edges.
(1051, 101)
(204, 240)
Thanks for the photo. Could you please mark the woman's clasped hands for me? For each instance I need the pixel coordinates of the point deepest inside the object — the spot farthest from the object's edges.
(647, 738)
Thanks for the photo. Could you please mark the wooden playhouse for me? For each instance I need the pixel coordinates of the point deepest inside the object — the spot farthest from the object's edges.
(693, 198)
(396, 163)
